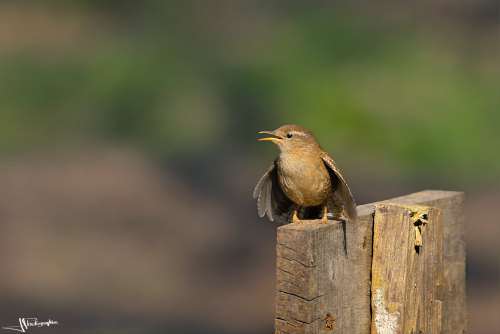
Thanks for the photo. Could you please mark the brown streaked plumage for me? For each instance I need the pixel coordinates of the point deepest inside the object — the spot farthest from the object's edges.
(304, 182)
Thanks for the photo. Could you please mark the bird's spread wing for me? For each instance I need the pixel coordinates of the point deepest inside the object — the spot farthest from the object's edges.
(342, 189)
(263, 191)
(271, 199)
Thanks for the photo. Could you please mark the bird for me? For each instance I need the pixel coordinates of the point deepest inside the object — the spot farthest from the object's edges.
(303, 182)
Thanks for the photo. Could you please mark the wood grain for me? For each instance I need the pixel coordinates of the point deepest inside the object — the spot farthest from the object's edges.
(324, 270)
(323, 283)
(406, 269)
(452, 292)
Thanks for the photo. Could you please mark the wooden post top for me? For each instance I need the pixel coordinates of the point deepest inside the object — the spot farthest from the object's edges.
(324, 271)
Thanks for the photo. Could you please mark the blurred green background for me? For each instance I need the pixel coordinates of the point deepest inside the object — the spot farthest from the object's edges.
(128, 149)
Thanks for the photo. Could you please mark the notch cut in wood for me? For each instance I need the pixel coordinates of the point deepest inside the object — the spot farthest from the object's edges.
(419, 215)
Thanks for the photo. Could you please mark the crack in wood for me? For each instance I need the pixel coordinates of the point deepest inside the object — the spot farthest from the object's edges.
(292, 283)
(303, 264)
(290, 248)
(298, 296)
(294, 242)
(305, 322)
(286, 271)
(282, 319)
(298, 320)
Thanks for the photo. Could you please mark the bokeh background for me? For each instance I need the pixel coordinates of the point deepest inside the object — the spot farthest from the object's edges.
(129, 153)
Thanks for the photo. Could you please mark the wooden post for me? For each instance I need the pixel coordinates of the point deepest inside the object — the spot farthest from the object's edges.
(324, 270)
(406, 271)
(315, 268)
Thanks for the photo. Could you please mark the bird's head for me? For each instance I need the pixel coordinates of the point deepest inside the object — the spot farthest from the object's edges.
(291, 137)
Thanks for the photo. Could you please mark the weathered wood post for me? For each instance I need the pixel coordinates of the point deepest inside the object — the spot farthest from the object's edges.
(399, 269)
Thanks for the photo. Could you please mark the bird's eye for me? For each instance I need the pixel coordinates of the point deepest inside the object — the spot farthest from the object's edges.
(289, 135)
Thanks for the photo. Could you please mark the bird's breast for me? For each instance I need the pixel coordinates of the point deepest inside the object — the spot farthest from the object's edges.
(304, 180)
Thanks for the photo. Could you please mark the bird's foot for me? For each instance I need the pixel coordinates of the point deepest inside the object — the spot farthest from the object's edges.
(325, 213)
(296, 219)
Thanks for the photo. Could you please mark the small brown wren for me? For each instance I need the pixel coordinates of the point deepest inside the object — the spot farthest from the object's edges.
(303, 182)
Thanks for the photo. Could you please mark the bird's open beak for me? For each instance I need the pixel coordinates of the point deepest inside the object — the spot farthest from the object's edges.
(275, 139)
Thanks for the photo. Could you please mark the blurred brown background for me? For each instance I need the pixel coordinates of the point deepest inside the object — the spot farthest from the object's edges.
(129, 153)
